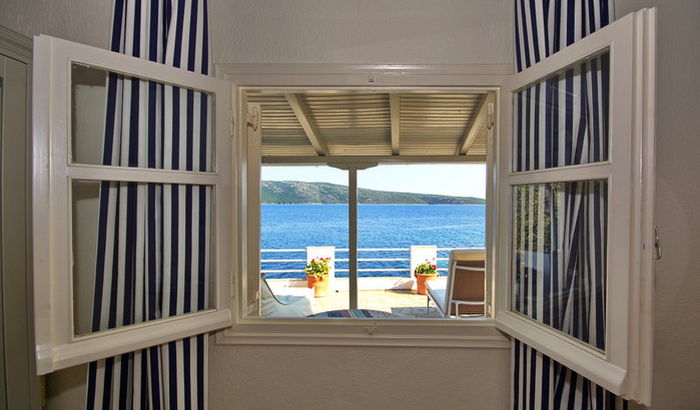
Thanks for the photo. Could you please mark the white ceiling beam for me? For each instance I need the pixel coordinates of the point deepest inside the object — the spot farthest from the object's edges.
(307, 122)
(479, 119)
(373, 159)
(395, 110)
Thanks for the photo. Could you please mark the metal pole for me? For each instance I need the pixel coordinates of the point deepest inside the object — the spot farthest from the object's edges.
(352, 237)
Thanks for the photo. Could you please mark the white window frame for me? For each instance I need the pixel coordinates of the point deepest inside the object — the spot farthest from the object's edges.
(351, 164)
(624, 368)
(56, 345)
(296, 78)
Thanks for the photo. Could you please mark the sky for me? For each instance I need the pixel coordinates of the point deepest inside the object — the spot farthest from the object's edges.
(441, 179)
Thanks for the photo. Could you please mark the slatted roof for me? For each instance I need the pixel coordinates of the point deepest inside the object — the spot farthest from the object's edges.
(365, 123)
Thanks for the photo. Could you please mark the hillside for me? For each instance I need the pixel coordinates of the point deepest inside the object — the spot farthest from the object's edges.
(296, 192)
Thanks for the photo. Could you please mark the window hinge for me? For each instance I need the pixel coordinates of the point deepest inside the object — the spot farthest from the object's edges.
(254, 116)
(657, 244)
(491, 117)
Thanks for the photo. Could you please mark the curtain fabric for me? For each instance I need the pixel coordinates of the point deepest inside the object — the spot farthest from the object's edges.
(153, 239)
(559, 229)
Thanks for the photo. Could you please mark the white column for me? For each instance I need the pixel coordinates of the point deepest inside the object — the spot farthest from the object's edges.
(352, 239)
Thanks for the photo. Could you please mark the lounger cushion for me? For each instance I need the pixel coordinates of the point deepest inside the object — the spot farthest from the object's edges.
(437, 289)
(285, 305)
(291, 306)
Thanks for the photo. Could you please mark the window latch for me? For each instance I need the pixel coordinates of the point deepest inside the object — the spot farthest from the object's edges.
(657, 244)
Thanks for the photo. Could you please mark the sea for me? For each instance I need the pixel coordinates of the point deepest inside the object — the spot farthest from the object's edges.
(296, 226)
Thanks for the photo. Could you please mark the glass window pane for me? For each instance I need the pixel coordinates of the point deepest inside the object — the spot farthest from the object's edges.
(124, 121)
(303, 216)
(441, 207)
(559, 256)
(563, 120)
(141, 251)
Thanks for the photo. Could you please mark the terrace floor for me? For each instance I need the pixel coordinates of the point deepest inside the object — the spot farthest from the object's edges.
(373, 293)
(402, 303)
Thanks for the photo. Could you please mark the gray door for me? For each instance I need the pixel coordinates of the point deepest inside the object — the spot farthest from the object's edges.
(18, 380)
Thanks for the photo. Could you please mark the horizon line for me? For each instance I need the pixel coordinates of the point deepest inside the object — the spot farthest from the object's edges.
(375, 190)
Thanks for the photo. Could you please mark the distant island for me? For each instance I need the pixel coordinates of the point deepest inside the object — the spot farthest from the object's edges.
(297, 192)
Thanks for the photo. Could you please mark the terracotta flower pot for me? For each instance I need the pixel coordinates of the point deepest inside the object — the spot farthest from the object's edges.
(420, 282)
(319, 284)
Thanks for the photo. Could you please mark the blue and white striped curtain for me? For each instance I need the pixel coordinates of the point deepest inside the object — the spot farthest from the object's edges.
(559, 229)
(153, 239)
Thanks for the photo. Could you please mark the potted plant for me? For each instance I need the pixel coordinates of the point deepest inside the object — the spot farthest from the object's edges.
(317, 275)
(424, 272)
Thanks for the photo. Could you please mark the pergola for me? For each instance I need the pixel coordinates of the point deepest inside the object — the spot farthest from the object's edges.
(364, 126)
(359, 129)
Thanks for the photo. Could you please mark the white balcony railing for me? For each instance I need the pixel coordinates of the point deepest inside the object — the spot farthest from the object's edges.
(400, 265)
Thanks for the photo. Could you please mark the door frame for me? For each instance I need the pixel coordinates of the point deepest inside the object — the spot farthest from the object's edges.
(23, 387)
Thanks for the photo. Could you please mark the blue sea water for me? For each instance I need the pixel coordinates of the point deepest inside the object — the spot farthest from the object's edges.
(296, 226)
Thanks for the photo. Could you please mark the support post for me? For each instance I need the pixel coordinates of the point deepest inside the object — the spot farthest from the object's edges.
(352, 167)
(352, 237)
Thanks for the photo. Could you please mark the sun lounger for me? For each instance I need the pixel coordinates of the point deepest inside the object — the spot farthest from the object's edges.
(462, 291)
(285, 305)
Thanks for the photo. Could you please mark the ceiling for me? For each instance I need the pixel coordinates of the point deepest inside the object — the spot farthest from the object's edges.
(364, 123)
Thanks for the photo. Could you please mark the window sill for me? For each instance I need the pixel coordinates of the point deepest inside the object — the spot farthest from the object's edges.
(464, 333)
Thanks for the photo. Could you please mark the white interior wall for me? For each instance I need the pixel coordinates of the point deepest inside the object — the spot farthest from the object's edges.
(308, 31)
(345, 378)
(393, 31)
(362, 31)
(84, 21)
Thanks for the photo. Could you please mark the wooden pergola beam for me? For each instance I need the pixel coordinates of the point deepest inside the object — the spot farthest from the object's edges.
(474, 127)
(360, 161)
(301, 110)
(395, 110)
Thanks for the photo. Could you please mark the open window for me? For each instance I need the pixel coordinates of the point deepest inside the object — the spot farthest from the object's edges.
(367, 187)
(575, 184)
(116, 204)
(568, 235)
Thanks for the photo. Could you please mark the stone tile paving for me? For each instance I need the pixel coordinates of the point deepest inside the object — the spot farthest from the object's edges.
(402, 303)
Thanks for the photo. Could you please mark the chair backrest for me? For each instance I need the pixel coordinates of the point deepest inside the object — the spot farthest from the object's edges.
(466, 280)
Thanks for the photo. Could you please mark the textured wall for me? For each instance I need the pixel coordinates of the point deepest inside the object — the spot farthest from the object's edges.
(343, 378)
(318, 31)
(363, 31)
(84, 21)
